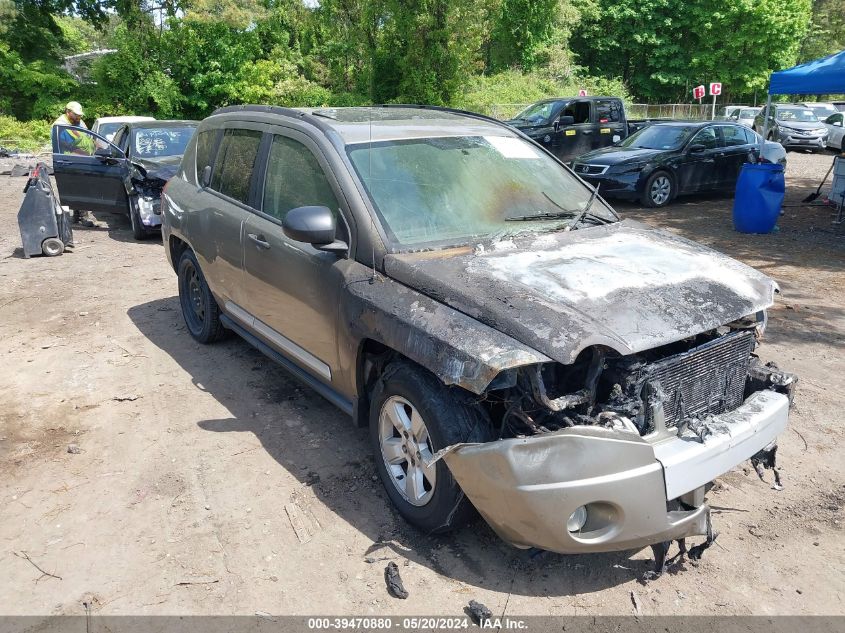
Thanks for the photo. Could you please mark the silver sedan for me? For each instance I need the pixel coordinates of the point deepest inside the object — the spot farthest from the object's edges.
(835, 125)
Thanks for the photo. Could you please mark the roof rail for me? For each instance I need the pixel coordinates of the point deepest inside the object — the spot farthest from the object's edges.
(475, 115)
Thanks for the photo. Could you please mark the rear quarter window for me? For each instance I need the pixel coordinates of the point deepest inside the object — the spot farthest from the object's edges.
(205, 147)
(235, 162)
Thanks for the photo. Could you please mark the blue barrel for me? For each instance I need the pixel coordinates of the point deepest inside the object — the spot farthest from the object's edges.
(759, 196)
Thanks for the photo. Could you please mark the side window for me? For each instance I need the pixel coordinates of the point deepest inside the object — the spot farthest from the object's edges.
(706, 137)
(205, 144)
(608, 111)
(78, 141)
(734, 135)
(750, 137)
(236, 160)
(578, 110)
(294, 179)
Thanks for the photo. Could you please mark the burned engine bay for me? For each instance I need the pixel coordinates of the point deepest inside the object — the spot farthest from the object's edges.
(672, 389)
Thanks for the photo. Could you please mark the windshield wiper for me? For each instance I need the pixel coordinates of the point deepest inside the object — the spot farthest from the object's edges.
(580, 217)
(548, 215)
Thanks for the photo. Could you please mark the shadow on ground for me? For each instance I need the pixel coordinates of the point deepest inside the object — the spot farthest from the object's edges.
(341, 470)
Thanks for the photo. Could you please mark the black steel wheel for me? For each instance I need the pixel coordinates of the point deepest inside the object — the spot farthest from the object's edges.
(199, 308)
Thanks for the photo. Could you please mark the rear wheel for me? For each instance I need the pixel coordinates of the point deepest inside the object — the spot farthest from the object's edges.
(52, 246)
(412, 416)
(199, 308)
(658, 191)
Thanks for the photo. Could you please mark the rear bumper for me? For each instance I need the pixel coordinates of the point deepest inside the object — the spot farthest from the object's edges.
(527, 488)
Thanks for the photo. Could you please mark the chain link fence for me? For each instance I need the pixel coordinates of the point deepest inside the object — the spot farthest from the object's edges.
(692, 111)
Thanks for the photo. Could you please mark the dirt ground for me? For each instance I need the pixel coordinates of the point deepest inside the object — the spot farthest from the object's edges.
(208, 482)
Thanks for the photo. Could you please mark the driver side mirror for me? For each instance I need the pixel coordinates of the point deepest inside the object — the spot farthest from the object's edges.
(837, 123)
(314, 225)
(110, 151)
(564, 120)
(696, 148)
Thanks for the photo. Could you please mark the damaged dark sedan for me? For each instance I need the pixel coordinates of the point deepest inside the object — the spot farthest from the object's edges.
(125, 175)
(512, 345)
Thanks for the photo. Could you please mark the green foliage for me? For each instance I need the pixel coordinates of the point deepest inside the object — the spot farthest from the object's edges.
(662, 48)
(526, 31)
(30, 136)
(510, 90)
(826, 34)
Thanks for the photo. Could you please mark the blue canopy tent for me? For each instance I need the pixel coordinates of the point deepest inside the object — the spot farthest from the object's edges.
(819, 77)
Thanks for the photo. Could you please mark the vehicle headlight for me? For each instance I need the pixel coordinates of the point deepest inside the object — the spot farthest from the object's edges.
(577, 519)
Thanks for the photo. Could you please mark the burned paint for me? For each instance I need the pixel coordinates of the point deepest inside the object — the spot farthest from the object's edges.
(623, 286)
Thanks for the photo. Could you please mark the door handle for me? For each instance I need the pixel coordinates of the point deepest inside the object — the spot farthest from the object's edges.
(259, 240)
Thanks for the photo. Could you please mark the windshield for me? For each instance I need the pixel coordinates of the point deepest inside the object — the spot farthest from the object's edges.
(796, 114)
(447, 190)
(159, 142)
(822, 110)
(748, 113)
(107, 130)
(537, 112)
(660, 137)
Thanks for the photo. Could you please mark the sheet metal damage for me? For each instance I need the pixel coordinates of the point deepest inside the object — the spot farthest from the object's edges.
(615, 366)
(628, 441)
(147, 179)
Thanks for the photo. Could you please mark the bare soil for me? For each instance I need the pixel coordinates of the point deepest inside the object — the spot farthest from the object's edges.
(208, 482)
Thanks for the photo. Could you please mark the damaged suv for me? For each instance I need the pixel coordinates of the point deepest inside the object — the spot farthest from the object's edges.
(510, 343)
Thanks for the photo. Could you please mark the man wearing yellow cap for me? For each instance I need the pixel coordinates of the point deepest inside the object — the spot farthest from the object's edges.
(75, 142)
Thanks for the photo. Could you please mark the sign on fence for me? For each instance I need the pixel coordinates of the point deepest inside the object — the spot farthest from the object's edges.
(715, 88)
(698, 92)
(582, 93)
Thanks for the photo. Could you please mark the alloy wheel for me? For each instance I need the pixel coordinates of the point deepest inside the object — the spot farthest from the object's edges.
(661, 188)
(406, 449)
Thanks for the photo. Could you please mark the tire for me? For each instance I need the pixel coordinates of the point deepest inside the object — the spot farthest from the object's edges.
(438, 504)
(139, 232)
(199, 308)
(52, 246)
(659, 190)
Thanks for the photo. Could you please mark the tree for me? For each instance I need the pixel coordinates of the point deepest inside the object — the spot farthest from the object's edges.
(526, 30)
(661, 48)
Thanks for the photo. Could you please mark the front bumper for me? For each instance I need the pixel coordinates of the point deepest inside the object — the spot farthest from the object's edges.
(526, 488)
(616, 185)
(149, 208)
(810, 142)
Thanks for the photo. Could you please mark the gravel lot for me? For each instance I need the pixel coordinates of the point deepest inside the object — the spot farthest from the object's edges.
(208, 482)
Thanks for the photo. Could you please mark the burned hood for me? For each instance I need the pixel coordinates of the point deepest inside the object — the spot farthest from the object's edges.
(623, 285)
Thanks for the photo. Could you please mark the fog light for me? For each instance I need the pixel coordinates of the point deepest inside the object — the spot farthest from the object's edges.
(577, 519)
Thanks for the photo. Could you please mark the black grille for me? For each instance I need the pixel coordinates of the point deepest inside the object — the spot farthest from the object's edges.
(707, 379)
(594, 170)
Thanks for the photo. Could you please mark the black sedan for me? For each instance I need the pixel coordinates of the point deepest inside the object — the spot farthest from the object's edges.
(125, 175)
(666, 160)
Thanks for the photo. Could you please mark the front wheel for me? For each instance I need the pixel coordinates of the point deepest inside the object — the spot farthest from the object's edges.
(658, 191)
(199, 308)
(412, 416)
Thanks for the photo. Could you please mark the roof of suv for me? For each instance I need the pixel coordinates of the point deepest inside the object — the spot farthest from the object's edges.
(387, 123)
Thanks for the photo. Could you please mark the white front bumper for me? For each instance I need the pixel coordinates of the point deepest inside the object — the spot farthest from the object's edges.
(689, 463)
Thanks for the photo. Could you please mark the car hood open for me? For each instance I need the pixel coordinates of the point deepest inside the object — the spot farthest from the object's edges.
(623, 285)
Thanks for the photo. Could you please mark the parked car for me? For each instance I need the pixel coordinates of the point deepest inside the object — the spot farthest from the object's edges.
(570, 126)
(510, 343)
(666, 160)
(125, 176)
(744, 116)
(835, 130)
(106, 126)
(727, 112)
(820, 109)
(793, 126)
(839, 105)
